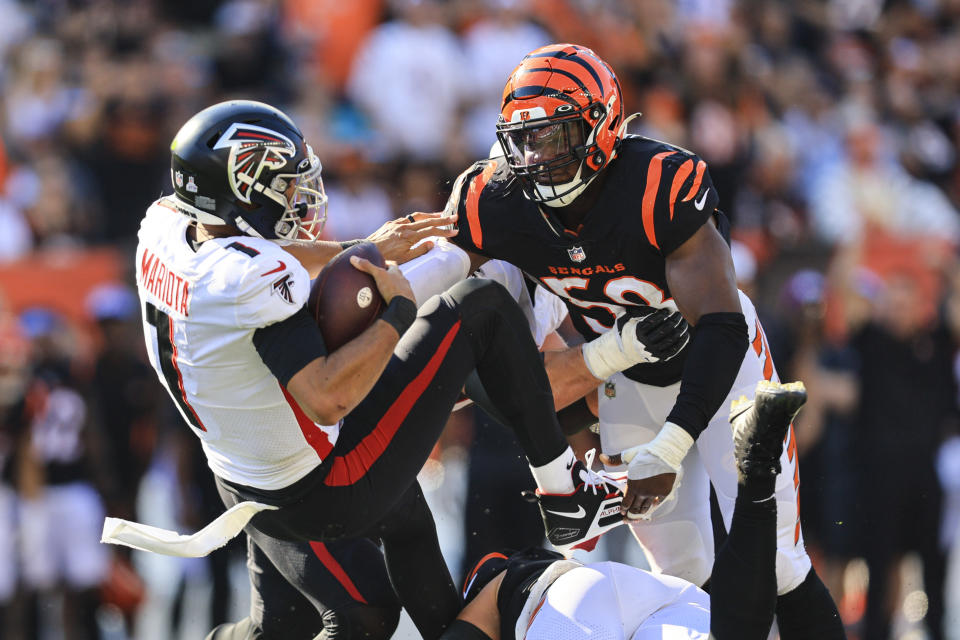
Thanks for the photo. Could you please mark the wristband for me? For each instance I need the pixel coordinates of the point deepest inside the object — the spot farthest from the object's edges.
(671, 444)
(400, 313)
(346, 244)
(604, 356)
(670, 447)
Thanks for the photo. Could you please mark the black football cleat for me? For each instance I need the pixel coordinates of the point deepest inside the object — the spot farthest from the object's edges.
(576, 520)
(760, 426)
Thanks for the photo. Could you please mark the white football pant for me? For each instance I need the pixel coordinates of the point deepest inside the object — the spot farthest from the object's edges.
(680, 543)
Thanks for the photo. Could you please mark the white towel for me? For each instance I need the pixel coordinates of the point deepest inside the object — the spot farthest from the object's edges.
(170, 543)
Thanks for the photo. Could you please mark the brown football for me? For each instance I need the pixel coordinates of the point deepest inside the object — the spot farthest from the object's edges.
(344, 300)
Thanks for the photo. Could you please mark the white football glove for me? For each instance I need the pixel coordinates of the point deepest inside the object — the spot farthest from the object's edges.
(656, 336)
(663, 454)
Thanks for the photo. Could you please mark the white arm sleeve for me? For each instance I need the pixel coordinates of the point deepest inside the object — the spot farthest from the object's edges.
(549, 312)
(437, 270)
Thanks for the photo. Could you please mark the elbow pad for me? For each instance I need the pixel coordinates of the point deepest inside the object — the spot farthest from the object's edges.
(437, 270)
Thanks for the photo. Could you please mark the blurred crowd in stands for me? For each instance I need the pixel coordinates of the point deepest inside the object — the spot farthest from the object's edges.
(832, 132)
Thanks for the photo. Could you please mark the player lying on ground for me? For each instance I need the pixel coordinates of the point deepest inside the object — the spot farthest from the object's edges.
(613, 223)
(328, 444)
(537, 595)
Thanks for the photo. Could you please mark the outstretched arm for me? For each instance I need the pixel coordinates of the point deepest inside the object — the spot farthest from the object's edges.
(396, 239)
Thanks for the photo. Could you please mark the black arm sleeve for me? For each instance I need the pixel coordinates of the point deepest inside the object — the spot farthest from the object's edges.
(716, 353)
(288, 346)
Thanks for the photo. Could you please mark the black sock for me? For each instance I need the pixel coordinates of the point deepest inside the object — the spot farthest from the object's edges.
(743, 586)
(809, 612)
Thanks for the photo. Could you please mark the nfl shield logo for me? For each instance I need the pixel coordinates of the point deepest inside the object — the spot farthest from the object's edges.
(178, 177)
(577, 254)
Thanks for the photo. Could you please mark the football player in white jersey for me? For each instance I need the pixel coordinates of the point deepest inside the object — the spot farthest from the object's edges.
(537, 595)
(332, 441)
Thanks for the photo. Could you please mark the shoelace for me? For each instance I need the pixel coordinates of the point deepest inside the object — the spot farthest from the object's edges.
(602, 478)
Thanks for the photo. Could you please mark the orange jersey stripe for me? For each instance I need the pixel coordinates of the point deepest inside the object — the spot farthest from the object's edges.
(701, 167)
(476, 569)
(758, 340)
(791, 443)
(650, 195)
(767, 362)
(760, 346)
(536, 610)
(473, 200)
(678, 181)
(792, 456)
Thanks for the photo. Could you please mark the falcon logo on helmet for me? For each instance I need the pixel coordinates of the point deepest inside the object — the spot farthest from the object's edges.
(253, 149)
(561, 121)
(248, 166)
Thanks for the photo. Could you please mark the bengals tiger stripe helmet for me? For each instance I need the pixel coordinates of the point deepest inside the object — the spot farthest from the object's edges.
(561, 121)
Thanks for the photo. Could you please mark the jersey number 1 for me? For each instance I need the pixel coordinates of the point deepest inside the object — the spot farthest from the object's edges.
(167, 358)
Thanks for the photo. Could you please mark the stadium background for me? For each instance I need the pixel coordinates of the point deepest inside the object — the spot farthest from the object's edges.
(832, 129)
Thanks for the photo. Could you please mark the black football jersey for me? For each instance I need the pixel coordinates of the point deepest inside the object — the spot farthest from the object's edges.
(654, 199)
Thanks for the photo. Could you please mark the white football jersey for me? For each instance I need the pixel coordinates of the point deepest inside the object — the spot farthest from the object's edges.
(200, 311)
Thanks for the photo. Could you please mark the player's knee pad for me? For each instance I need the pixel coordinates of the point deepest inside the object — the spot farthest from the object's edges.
(360, 622)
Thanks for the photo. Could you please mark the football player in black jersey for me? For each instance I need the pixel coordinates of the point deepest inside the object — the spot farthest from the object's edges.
(615, 224)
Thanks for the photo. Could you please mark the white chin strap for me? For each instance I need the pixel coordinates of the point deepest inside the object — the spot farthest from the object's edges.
(551, 200)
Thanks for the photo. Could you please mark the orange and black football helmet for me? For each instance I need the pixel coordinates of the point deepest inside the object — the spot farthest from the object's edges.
(561, 120)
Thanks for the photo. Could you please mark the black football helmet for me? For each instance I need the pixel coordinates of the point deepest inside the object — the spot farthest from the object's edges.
(246, 163)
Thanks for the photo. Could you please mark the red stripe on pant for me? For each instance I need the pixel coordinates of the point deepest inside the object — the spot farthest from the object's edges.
(320, 550)
(347, 469)
(314, 435)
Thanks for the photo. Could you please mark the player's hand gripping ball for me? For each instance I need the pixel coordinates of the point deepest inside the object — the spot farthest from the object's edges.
(344, 300)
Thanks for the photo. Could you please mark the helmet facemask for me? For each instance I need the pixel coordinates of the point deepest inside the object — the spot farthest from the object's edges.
(304, 201)
(549, 155)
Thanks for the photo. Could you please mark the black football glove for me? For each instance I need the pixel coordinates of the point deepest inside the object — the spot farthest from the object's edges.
(646, 336)
(656, 336)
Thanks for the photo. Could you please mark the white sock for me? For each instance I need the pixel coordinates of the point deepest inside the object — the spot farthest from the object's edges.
(554, 477)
